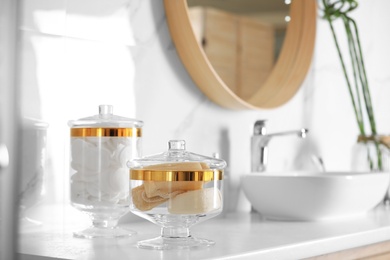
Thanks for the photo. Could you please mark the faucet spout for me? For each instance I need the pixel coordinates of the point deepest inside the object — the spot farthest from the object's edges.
(259, 144)
(300, 133)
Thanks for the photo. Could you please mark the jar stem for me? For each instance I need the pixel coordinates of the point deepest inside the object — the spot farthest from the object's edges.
(175, 232)
(105, 223)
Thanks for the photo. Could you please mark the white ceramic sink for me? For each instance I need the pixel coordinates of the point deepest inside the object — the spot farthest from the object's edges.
(314, 196)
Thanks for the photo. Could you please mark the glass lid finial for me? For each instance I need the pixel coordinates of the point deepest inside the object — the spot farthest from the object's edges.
(177, 145)
(105, 110)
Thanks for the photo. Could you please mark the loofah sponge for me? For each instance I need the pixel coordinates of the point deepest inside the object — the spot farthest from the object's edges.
(153, 193)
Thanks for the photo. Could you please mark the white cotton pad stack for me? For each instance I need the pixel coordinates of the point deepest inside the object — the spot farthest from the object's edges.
(100, 175)
(196, 201)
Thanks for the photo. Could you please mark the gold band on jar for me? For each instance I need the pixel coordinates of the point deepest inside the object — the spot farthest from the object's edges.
(151, 175)
(101, 132)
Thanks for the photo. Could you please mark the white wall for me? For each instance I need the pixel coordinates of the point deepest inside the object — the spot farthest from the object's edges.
(79, 54)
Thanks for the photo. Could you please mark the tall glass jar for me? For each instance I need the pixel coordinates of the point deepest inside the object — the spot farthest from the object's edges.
(101, 146)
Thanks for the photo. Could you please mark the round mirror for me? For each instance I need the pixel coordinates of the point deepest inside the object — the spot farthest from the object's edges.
(242, 39)
(244, 54)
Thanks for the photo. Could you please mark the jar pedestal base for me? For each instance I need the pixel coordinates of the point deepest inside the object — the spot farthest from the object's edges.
(165, 243)
(101, 232)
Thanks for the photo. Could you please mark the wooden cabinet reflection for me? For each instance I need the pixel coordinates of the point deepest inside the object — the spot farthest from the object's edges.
(240, 49)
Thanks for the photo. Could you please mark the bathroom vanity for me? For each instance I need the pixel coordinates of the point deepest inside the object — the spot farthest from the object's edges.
(237, 236)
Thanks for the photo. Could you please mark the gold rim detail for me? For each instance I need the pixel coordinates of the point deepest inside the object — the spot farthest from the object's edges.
(101, 132)
(150, 175)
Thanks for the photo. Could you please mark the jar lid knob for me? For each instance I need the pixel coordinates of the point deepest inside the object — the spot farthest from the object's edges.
(176, 145)
(105, 110)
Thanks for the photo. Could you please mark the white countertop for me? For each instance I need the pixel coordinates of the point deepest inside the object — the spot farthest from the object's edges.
(237, 236)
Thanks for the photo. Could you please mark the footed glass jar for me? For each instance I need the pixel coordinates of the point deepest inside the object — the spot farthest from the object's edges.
(175, 190)
(101, 146)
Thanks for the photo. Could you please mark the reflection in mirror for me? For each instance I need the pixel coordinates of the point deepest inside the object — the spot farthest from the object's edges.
(241, 38)
(286, 76)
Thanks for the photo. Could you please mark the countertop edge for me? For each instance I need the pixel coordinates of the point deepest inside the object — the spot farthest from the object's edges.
(318, 247)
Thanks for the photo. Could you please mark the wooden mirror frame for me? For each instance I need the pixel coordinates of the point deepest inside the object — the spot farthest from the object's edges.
(285, 78)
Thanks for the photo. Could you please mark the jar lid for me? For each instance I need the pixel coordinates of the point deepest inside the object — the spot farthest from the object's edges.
(105, 124)
(177, 164)
(33, 123)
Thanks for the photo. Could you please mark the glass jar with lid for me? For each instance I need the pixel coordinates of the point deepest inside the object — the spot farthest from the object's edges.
(176, 189)
(101, 146)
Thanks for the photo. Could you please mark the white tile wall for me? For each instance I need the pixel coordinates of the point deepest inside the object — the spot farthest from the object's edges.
(79, 54)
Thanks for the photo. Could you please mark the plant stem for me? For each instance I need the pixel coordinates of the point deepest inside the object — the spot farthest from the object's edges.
(358, 68)
(340, 9)
(364, 80)
(354, 62)
(357, 113)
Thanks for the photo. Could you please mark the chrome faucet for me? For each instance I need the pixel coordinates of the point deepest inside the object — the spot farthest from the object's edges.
(259, 144)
